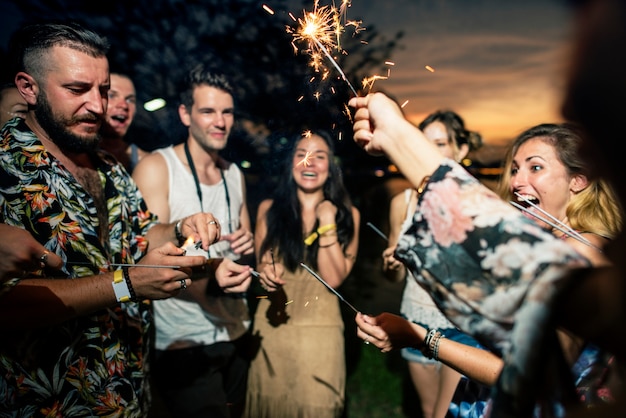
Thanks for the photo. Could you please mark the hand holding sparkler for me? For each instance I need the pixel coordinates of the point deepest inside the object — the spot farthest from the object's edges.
(201, 227)
(381, 128)
(163, 282)
(388, 331)
(270, 276)
(233, 277)
(20, 253)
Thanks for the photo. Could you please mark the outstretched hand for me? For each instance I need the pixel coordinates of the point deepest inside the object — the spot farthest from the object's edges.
(20, 253)
(375, 121)
(387, 331)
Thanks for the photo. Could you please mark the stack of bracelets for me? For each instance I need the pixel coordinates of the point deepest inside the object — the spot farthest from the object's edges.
(431, 344)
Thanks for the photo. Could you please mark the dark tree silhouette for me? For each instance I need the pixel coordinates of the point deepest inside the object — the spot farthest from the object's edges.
(156, 41)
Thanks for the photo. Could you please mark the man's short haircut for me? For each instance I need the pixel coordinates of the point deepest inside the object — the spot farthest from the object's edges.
(199, 76)
(30, 43)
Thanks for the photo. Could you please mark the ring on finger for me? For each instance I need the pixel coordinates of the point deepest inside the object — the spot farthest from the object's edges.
(212, 222)
(183, 284)
(367, 340)
(43, 259)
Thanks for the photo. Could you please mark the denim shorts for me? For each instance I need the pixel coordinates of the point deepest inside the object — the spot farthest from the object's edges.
(454, 334)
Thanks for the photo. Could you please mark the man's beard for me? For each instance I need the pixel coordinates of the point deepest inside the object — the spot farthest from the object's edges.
(59, 134)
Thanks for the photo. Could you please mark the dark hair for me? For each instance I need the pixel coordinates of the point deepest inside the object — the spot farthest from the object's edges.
(29, 44)
(284, 218)
(455, 126)
(200, 75)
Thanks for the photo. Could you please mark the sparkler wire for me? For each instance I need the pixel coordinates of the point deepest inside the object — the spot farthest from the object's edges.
(317, 276)
(332, 60)
(567, 232)
(573, 233)
(378, 231)
(152, 266)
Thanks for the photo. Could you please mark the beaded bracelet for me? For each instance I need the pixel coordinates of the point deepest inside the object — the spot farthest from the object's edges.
(435, 349)
(431, 343)
(131, 289)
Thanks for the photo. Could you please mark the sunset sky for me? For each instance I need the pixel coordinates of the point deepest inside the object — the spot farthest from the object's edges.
(498, 63)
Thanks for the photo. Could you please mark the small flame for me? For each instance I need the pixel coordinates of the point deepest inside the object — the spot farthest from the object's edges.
(189, 241)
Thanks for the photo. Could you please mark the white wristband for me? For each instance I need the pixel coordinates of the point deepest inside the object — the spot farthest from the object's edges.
(122, 293)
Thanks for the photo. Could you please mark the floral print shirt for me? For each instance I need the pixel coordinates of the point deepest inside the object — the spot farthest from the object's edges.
(92, 365)
(494, 273)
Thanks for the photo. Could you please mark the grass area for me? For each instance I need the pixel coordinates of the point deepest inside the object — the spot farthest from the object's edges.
(374, 390)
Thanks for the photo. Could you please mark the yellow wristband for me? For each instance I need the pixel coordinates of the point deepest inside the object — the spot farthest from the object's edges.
(122, 293)
(321, 230)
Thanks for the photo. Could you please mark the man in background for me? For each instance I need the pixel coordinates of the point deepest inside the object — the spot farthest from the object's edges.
(201, 365)
(120, 114)
(12, 104)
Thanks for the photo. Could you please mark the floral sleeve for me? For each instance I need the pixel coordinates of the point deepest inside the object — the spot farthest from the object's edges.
(493, 272)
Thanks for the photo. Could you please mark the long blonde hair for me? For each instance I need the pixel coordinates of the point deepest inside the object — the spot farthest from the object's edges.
(595, 209)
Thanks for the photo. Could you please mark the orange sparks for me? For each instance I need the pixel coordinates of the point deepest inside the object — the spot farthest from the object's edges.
(318, 30)
(307, 157)
(390, 63)
(267, 9)
(346, 111)
(306, 160)
(429, 68)
(321, 30)
(406, 102)
(368, 82)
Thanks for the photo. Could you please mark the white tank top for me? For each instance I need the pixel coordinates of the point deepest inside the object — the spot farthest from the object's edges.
(218, 316)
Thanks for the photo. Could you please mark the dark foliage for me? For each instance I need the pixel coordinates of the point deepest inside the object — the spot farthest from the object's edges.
(156, 41)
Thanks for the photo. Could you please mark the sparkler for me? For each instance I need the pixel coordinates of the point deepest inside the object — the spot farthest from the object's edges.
(273, 264)
(152, 266)
(556, 225)
(570, 232)
(378, 231)
(314, 274)
(321, 29)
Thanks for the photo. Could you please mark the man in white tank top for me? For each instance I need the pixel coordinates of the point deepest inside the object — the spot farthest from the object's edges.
(200, 366)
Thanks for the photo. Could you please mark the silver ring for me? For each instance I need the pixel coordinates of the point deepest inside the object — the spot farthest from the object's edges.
(183, 284)
(211, 223)
(43, 259)
(367, 340)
